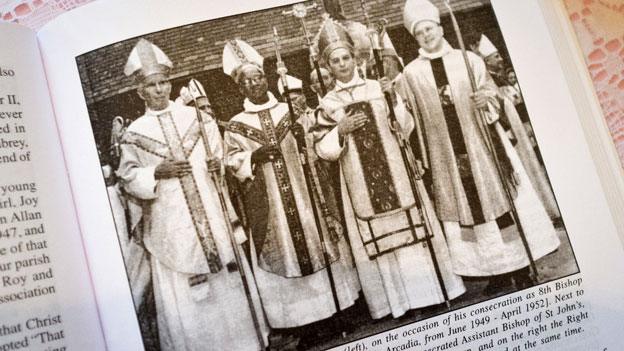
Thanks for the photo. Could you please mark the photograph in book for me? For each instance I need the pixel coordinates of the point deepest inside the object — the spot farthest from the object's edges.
(301, 177)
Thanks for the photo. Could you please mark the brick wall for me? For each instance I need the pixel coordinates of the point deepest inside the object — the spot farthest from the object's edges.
(198, 47)
(196, 51)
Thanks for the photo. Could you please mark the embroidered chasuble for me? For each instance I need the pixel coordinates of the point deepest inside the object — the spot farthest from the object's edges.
(185, 234)
(468, 193)
(287, 254)
(466, 185)
(277, 202)
(161, 141)
(395, 266)
(371, 162)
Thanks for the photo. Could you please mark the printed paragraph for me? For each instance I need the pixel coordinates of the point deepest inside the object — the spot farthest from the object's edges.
(13, 143)
(34, 332)
(539, 318)
(26, 271)
(25, 268)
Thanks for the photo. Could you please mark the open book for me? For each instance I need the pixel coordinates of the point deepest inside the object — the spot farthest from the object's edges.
(348, 175)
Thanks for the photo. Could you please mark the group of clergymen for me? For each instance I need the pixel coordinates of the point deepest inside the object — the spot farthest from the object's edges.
(327, 205)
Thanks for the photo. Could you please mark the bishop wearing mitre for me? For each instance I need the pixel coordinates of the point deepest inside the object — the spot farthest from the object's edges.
(165, 167)
(287, 253)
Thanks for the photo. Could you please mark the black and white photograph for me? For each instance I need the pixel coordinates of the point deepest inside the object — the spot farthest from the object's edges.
(305, 176)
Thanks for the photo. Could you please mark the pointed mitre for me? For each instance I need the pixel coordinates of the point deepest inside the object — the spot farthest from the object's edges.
(146, 59)
(185, 96)
(237, 56)
(359, 35)
(196, 89)
(191, 92)
(331, 36)
(416, 11)
(486, 48)
(293, 84)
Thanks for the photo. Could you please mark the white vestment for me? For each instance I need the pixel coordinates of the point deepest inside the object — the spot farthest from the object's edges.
(461, 160)
(135, 257)
(525, 144)
(292, 295)
(198, 306)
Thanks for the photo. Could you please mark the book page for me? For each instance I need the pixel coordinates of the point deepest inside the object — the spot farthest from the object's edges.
(36, 13)
(46, 297)
(599, 30)
(604, 151)
(498, 237)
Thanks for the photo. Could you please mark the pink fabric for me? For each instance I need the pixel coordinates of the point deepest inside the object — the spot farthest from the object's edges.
(35, 13)
(599, 26)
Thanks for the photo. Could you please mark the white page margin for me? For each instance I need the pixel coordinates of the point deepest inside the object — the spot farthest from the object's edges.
(568, 160)
(63, 39)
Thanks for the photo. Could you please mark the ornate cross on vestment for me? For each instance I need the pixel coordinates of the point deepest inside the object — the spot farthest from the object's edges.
(286, 194)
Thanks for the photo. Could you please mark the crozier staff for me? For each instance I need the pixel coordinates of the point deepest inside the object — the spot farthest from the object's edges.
(396, 269)
(194, 95)
(287, 254)
(469, 195)
(198, 291)
(511, 103)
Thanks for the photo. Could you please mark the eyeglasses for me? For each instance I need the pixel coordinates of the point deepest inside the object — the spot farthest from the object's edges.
(252, 80)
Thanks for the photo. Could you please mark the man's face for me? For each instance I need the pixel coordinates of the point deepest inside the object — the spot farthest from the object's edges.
(429, 35)
(494, 62)
(341, 64)
(299, 102)
(155, 90)
(474, 47)
(392, 66)
(253, 84)
(328, 81)
(511, 77)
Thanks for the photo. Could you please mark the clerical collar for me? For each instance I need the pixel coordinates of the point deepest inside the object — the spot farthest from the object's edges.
(150, 112)
(354, 82)
(251, 107)
(445, 49)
